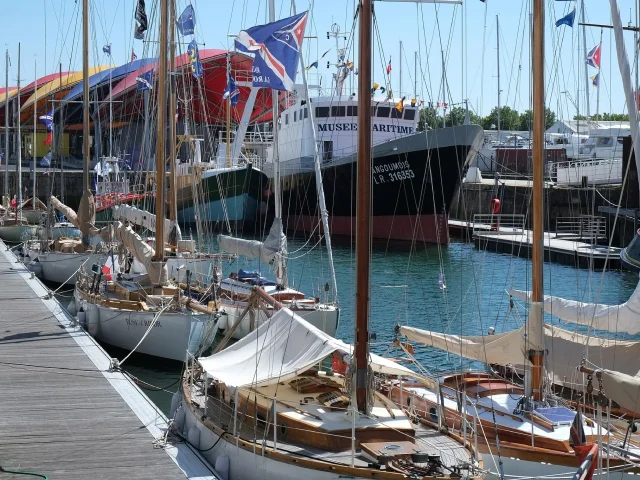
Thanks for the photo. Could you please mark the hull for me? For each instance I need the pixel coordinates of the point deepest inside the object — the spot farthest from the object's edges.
(414, 180)
(171, 336)
(232, 194)
(33, 216)
(17, 233)
(324, 318)
(630, 256)
(60, 267)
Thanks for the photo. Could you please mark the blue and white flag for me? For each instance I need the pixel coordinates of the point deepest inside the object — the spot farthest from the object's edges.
(187, 21)
(277, 49)
(145, 81)
(568, 19)
(196, 66)
(107, 49)
(47, 119)
(232, 91)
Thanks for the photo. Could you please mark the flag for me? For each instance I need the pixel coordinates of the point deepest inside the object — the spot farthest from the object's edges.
(110, 266)
(374, 88)
(277, 48)
(133, 55)
(350, 65)
(49, 139)
(196, 66)
(593, 58)
(314, 64)
(187, 21)
(233, 91)
(47, 119)
(389, 67)
(141, 18)
(400, 104)
(107, 49)
(595, 79)
(145, 81)
(389, 94)
(413, 102)
(325, 53)
(382, 89)
(568, 19)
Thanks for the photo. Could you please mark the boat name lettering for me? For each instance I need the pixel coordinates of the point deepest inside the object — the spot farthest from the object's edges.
(134, 322)
(352, 127)
(390, 167)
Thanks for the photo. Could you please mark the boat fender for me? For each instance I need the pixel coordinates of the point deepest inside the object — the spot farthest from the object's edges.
(433, 413)
(178, 418)
(93, 317)
(35, 267)
(82, 318)
(222, 321)
(222, 466)
(193, 436)
(71, 308)
(175, 403)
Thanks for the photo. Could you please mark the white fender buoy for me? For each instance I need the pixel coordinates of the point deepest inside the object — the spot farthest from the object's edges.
(71, 308)
(193, 436)
(175, 402)
(179, 418)
(93, 318)
(222, 321)
(82, 318)
(222, 467)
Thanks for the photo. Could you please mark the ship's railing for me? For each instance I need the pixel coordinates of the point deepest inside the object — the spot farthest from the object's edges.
(596, 170)
(583, 227)
(256, 136)
(498, 223)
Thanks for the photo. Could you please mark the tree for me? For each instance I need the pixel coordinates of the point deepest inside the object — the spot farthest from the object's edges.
(526, 120)
(549, 118)
(509, 119)
(429, 119)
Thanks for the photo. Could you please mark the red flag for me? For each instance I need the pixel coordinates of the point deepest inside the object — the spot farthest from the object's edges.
(133, 55)
(49, 139)
(389, 67)
(593, 58)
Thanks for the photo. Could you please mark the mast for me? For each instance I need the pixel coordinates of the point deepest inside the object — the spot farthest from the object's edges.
(6, 129)
(536, 333)
(161, 140)
(60, 137)
(228, 119)
(444, 91)
(498, 54)
(19, 145)
(400, 57)
(363, 205)
(586, 69)
(33, 141)
(173, 213)
(415, 76)
(599, 81)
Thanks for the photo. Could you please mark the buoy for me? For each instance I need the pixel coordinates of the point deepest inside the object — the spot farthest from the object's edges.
(178, 418)
(222, 467)
(223, 321)
(193, 436)
(175, 401)
(35, 267)
(82, 318)
(71, 308)
(93, 319)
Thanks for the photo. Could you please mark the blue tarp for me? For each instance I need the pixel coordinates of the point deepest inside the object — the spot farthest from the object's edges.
(254, 278)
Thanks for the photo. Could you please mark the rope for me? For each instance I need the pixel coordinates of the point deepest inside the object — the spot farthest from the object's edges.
(151, 325)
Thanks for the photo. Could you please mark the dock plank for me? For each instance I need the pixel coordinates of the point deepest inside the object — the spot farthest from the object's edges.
(63, 414)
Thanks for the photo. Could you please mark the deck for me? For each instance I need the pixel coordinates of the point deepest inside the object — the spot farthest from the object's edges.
(64, 414)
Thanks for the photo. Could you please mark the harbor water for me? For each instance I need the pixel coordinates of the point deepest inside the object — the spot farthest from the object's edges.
(457, 290)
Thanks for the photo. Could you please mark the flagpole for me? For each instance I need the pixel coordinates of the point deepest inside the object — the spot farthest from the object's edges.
(34, 142)
(400, 56)
(6, 130)
(228, 139)
(498, 58)
(19, 165)
(599, 79)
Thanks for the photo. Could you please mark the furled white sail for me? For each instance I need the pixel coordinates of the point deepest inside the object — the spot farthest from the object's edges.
(68, 212)
(622, 388)
(147, 220)
(612, 318)
(143, 252)
(274, 244)
(281, 348)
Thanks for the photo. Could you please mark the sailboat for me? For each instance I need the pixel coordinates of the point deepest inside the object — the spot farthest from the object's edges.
(142, 312)
(266, 407)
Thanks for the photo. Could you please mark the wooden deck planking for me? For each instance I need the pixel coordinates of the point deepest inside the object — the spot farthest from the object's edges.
(61, 415)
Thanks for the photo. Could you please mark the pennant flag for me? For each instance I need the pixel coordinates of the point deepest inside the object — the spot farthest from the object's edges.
(400, 104)
(593, 58)
(141, 18)
(389, 67)
(276, 47)
(133, 55)
(325, 53)
(47, 119)
(145, 81)
(422, 102)
(568, 19)
(595, 79)
(49, 139)
(107, 49)
(314, 64)
(413, 102)
(196, 66)
(187, 21)
(389, 94)
(382, 89)
(374, 88)
(232, 91)
(350, 65)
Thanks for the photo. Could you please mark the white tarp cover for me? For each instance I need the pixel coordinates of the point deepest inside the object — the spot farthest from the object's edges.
(280, 349)
(612, 318)
(142, 218)
(143, 252)
(623, 389)
(68, 212)
(275, 243)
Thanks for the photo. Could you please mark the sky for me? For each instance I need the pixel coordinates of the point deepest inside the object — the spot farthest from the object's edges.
(465, 35)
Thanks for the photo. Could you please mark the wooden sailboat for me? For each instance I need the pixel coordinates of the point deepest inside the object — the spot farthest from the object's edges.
(264, 406)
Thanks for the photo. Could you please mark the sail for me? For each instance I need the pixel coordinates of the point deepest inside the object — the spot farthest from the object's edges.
(622, 388)
(143, 252)
(68, 212)
(281, 348)
(612, 318)
(86, 216)
(147, 220)
(274, 244)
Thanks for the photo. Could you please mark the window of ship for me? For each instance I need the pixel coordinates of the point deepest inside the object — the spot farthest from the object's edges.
(338, 111)
(306, 112)
(409, 114)
(286, 119)
(322, 112)
(395, 113)
(383, 112)
(352, 111)
(295, 116)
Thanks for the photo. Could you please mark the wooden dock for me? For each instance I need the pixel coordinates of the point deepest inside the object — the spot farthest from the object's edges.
(64, 414)
(516, 240)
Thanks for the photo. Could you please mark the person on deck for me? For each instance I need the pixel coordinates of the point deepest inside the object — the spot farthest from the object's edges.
(14, 203)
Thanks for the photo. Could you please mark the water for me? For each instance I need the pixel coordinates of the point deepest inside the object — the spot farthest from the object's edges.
(405, 290)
